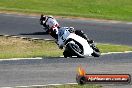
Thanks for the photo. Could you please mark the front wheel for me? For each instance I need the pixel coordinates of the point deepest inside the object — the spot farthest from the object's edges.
(76, 49)
(66, 53)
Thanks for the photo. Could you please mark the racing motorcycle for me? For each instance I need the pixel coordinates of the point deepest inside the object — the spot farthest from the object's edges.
(75, 45)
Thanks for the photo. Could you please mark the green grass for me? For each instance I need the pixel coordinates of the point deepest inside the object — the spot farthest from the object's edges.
(102, 9)
(105, 48)
(75, 86)
(19, 48)
(69, 86)
(15, 47)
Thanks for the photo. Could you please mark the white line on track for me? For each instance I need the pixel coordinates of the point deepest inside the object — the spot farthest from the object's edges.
(6, 87)
(20, 15)
(116, 52)
(129, 23)
(21, 59)
(112, 53)
(39, 58)
(41, 85)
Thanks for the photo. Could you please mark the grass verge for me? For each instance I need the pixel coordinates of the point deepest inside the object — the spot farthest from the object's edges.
(16, 47)
(105, 48)
(69, 86)
(21, 48)
(104, 9)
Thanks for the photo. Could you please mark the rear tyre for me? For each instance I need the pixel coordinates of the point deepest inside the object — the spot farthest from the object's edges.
(96, 52)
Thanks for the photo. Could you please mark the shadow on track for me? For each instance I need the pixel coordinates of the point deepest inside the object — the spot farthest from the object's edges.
(34, 33)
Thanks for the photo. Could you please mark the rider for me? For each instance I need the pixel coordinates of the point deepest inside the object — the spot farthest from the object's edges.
(51, 26)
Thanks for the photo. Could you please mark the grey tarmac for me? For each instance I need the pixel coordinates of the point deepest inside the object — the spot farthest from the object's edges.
(99, 31)
(58, 69)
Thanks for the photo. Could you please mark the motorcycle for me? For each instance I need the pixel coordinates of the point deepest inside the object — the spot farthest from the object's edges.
(75, 45)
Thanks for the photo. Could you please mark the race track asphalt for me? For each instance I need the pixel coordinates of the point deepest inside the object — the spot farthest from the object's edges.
(60, 70)
(102, 32)
(64, 70)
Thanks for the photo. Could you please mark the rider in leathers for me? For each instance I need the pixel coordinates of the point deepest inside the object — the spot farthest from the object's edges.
(51, 26)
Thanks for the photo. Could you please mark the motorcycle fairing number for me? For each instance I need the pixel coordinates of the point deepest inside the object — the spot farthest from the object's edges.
(63, 39)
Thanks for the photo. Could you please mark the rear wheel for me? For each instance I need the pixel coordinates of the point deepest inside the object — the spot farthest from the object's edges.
(96, 52)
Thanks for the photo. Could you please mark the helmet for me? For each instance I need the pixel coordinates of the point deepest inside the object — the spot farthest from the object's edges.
(43, 20)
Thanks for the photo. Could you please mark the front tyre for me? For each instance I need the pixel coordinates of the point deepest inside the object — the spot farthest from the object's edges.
(66, 53)
(76, 49)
